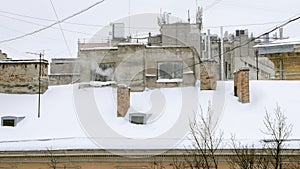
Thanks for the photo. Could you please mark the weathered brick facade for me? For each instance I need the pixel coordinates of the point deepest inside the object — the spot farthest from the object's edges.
(123, 100)
(241, 85)
(208, 74)
(22, 76)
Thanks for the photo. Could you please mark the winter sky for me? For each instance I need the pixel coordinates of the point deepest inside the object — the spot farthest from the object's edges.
(20, 17)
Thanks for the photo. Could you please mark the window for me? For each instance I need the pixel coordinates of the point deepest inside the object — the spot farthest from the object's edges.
(137, 118)
(10, 121)
(170, 70)
(105, 72)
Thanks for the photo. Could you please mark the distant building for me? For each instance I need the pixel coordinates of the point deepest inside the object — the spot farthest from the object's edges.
(22, 76)
(139, 66)
(285, 54)
(64, 71)
(238, 52)
(181, 34)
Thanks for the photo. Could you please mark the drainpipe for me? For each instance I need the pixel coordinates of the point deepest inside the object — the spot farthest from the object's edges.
(280, 69)
(208, 45)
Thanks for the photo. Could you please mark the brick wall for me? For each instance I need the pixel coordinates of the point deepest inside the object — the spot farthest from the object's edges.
(241, 85)
(21, 76)
(208, 75)
(123, 100)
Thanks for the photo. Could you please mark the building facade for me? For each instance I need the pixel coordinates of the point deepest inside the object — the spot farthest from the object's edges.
(22, 76)
(64, 71)
(238, 52)
(139, 66)
(285, 55)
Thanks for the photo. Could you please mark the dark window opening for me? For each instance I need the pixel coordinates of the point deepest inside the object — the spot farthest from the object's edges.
(170, 70)
(105, 72)
(137, 119)
(8, 122)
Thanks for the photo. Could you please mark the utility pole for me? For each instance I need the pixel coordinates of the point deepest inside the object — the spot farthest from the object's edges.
(39, 79)
(220, 57)
(222, 53)
(257, 70)
(39, 100)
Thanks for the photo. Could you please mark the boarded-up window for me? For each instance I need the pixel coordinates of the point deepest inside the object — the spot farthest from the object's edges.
(105, 72)
(170, 70)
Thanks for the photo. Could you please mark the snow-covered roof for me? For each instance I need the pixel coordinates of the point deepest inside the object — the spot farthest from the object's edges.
(99, 48)
(86, 118)
(8, 61)
(291, 41)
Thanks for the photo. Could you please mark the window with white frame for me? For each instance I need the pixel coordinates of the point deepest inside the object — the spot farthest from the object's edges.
(169, 70)
(104, 72)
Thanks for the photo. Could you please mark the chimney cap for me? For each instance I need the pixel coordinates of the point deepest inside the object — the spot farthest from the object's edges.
(244, 69)
(123, 86)
(208, 60)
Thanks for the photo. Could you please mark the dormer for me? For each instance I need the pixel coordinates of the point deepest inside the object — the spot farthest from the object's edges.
(10, 121)
(138, 118)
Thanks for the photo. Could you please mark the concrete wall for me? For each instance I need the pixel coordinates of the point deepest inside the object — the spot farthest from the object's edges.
(181, 34)
(243, 56)
(21, 76)
(137, 65)
(64, 71)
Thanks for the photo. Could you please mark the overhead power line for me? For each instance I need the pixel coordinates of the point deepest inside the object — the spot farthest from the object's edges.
(33, 23)
(258, 37)
(98, 25)
(55, 23)
(62, 32)
(45, 19)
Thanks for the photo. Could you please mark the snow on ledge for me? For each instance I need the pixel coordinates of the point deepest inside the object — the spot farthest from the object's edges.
(188, 72)
(169, 80)
(150, 75)
(96, 84)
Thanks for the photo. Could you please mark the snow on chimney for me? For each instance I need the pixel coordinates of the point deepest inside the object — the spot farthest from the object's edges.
(123, 100)
(241, 81)
(207, 74)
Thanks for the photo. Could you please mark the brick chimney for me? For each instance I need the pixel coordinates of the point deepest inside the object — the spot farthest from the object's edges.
(242, 77)
(123, 100)
(208, 74)
(235, 81)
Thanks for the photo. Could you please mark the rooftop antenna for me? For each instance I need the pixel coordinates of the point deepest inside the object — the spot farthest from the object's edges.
(40, 73)
(199, 17)
(129, 11)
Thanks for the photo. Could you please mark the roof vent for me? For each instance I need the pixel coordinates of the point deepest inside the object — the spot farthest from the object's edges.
(10, 121)
(137, 118)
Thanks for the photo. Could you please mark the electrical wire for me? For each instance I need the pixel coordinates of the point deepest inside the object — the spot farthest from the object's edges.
(62, 32)
(34, 23)
(253, 39)
(97, 25)
(51, 25)
(49, 20)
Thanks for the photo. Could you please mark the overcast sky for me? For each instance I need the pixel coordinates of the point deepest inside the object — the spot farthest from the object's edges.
(20, 17)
